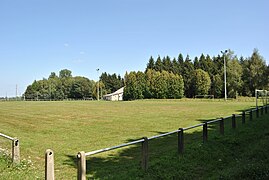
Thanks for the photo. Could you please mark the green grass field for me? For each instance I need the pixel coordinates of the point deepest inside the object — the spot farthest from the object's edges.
(69, 127)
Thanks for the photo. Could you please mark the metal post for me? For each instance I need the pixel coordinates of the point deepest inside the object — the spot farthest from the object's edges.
(98, 85)
(250, 115)
(49, 165)
(221, 124)
(266, 98)
(243, 117)
(145, 154)
(225, 88)
(225, 80)
(262, 110)
(180, 141)
(205, 133)
(16, 151)
(16, 92)
(257, 112)
(233, 121)
(81, 165)
(256, 97)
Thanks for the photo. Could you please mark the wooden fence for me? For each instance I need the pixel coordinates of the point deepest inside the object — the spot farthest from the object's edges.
(82, 156)
(15, 148)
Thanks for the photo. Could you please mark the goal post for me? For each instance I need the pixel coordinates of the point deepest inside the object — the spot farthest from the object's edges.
(263, 95)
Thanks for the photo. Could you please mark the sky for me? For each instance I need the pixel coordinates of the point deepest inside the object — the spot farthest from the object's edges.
(38, 37)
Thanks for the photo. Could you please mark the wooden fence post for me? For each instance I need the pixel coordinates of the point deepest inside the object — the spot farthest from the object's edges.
(49, 165)
(250, 115)
(16, 151)
(145, 154)
(243, 117)
(233, 121)
(180, 141)
(81, 165)
(205, 132)
(221, 126)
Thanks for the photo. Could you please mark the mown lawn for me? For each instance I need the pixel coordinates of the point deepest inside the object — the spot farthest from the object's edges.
(69, 127)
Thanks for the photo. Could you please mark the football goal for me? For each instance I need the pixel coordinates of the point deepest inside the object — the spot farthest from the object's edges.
(261, 96)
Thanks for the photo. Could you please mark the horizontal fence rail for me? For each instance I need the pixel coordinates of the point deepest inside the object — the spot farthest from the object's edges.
(7, 137)
(162, 135)
(114, 147)
(15, 148)
(192, 127)
(81, 156)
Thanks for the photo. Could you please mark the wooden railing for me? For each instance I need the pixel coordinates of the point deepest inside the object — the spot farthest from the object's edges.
(15, 148)
(82, 156)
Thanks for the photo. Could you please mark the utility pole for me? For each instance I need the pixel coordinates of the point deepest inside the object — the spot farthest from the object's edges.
(50, 91)
(225, 88)
(101, 92)
(98, 84)
(16, 92)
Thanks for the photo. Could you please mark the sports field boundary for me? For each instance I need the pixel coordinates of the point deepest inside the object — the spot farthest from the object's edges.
(82, 155)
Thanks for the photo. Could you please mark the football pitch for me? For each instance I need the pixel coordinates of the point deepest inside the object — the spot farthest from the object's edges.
(68, 127)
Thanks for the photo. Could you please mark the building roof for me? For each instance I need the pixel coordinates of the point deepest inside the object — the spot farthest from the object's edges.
(119, 91)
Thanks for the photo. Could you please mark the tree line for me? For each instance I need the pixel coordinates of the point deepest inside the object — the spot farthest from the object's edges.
(163, 78)
(204, 75)
(61, 87)
(65, 86)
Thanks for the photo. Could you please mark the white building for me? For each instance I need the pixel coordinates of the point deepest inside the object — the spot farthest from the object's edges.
(115, 96)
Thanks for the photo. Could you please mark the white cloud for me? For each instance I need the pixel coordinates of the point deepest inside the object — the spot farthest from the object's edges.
(78, 61)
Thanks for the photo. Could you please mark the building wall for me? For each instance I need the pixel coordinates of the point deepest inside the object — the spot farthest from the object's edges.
(116, 97)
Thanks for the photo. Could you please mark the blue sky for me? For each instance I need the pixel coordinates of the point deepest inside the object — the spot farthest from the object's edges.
(38, 37)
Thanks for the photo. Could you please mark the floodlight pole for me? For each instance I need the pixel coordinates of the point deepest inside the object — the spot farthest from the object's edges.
(98, 85)
(16, 92)
(225, 88)
(256, 97)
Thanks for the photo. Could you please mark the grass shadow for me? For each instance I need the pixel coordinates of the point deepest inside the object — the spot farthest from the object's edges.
(214, 158)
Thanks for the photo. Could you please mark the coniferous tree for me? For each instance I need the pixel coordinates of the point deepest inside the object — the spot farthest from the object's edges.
(111, 82)
(151, 63)
(202, 62)
(180, 61)
(196, 63)
(167, 64)
(175, 66)
(158, 65)
(188, 69)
